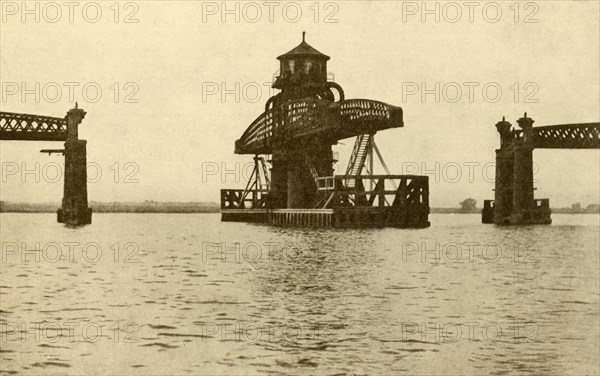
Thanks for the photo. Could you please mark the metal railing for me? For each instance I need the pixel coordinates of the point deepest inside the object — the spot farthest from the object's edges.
(300, 117)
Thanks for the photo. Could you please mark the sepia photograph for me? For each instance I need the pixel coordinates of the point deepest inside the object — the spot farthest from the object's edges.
(353, 187)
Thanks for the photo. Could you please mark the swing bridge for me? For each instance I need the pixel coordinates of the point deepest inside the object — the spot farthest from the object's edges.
(293, 181)
(291, 142)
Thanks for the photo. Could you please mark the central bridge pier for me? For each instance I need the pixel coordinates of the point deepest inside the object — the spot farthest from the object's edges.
(294, 170)
(296, 135)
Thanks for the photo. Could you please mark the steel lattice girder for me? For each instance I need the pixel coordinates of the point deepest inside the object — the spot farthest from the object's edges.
(24, 127)
(567, 136)
(328, 121)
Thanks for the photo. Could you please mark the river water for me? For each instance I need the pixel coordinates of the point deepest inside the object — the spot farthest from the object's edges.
(170, 294)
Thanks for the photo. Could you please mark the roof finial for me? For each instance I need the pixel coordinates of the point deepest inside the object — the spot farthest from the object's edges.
(303, 35)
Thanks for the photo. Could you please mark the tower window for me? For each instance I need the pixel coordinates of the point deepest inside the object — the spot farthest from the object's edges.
(307, 66)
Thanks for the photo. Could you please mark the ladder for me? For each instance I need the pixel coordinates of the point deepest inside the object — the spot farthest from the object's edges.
(358, 157)
(265, 172)
(313, 171)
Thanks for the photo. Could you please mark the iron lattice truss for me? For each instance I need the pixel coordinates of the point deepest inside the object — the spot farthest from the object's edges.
(317, 118)
(568, 136)
(24, 127)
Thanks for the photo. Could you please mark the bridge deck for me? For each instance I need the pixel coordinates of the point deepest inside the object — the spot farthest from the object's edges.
(568, 136)
(25, 127)
(330, 121)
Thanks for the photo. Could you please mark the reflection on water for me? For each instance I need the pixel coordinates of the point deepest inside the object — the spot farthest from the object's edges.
(185, 294)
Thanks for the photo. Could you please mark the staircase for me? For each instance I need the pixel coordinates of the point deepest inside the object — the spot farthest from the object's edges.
(265, 183)
(358, 158)
(313, 171)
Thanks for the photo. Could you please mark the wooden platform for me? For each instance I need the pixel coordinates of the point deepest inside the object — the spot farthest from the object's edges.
(369, 217)
(400, 201)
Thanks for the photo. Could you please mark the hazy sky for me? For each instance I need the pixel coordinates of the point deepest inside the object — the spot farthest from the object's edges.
(175, 140)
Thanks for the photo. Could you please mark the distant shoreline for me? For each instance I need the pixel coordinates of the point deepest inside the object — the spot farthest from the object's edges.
(117, 207)
(191, 208)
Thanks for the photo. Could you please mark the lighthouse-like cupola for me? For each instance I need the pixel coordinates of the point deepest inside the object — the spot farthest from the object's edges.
(302, 65)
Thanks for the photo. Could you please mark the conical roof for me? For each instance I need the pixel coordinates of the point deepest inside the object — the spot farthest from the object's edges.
(304, 49)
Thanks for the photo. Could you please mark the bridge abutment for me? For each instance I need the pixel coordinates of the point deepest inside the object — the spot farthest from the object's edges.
(514, 202)
(75, 210)
(503, 193)
(523, 201)
(25, 127)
